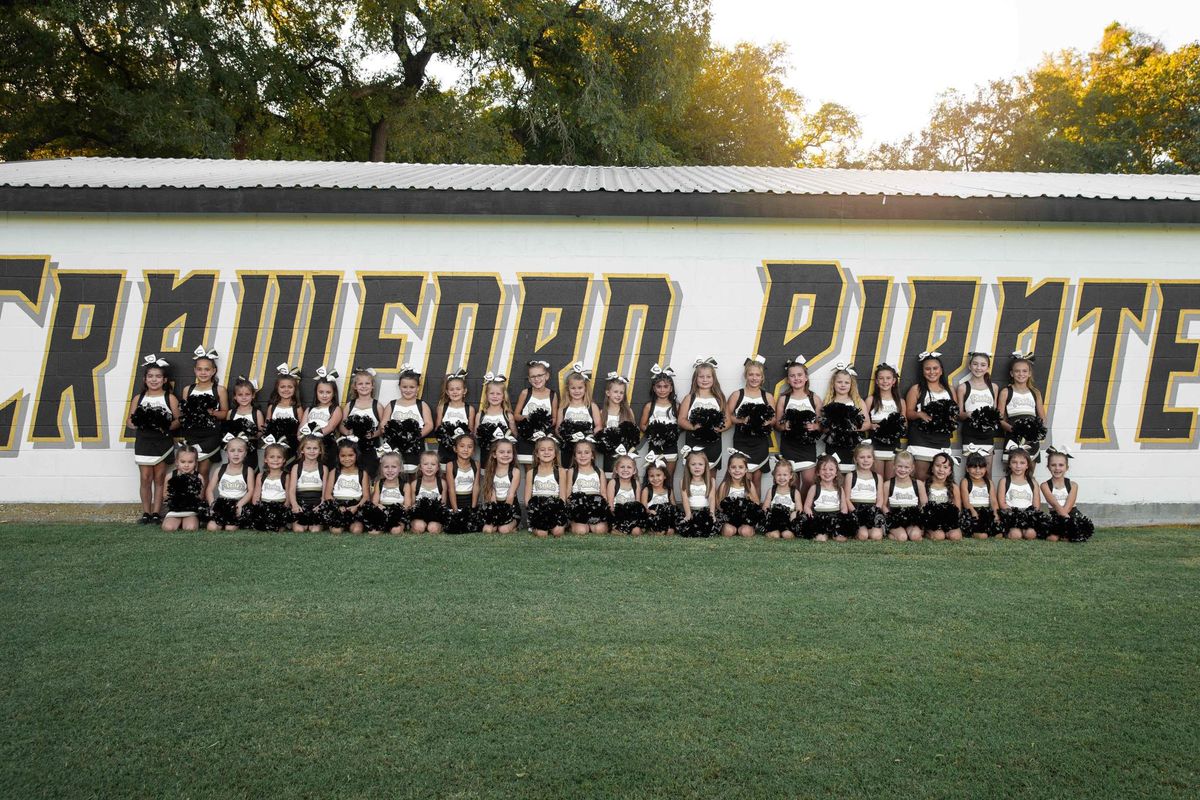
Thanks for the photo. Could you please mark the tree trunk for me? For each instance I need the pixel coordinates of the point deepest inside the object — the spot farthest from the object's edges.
(379, 140)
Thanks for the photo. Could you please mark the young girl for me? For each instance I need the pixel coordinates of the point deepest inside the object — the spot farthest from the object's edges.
(154, 412)
(233, 487)
(783, 507)
(324, 416)
(543, 491)
(243, 419)
(826, 506)
(454, 413)
(204, 406)
(842, 416)
(345, 491)
(864, 488)
(284, 410)
(885, 418)
(407, 420)
(185, 492)
(976, 494)
(386, 512)
(659, 420)
(462, 489)
(271, 512)
(903, 500)
(628, 513)
(702, 413)
(752, 411)
(498, 510)
(536, 410)
(977, 398)
(1066, 522)
(495, 414)
(796, 418)
(578, 414)
(698, 517)
(661, 513)
(1018, 497)
(306, 487)
(1022, 413)
(361, 420)
(619, 432)
(932, 414)
(942, 513)
(737, 497)
(424, 498)
(584, 489)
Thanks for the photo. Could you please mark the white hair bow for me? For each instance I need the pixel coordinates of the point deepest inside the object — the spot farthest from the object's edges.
(200, 352)
(154, 361)
(653, 459)
(326, 374)
(616, 376)
(577, 368)
(494, 377)
(798, 361)
(657, 370)
(708, 360)
(285, 370)
(842, 366)
(924, 354)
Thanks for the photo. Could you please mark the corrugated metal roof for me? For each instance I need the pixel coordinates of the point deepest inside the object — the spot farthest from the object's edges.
(136, 173)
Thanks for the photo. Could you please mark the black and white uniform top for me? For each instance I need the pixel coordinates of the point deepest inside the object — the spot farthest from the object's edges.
(272, 491)
(368, 412)
(863, 490)
(713, 450)
(391, 495)
(502, 485)
(976, 399)
(1018, 495)
(827, 501)
(624, 496)
(319, 415)
(612, 420)
(464, 482)
(666, 414)
(309, 482)
(887, 407)
(586, 483)
(978, 496)
(785, 500)
(801, 456)
(758, 448)
(152, 447)
(428, 492)
(209, 439)
(922, 444)
(285, 412)
(736, 492)
(413, 412)
(524, 446)
(659, 499)
(845, 458)
(456, 417)
(494, 419)
(902, 496)
(1021, 404)
(697, 496)
(232, 485)
(348, 487)
(545, 485)
(1061, 493)
(938, 494)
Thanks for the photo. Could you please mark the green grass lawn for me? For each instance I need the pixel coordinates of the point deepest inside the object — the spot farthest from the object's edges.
(247, 665)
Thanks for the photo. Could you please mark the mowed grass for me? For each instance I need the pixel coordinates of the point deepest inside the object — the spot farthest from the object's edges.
(139, 663)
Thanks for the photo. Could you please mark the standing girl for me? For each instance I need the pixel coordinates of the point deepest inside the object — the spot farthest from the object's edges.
(739, 513)
(783, 507)
(977, 398)
(361, 421)
(661, 513)
(324, 416)
(698, 517)
(976, 493)
(619, 433)
(154, 412)
(659, 419)
(942, 514)
(233, 487)
(271, 512)
(386, 512)
(537, 408)
(1066, 522)
(462, 488)
(864, 488)
(306, 487)
(903, 500)
(498, 510)
(284, 410)
(1022, 413)
(204, 406)
(702, 412)
(886, 421)
(494, 415)
(454, 414)
(346, 491)
(244, 420)
(424, 498)
(584, 489)
(796, 418)
(1018, 497)
(752, 411)
(578, 414)
(543, 490)
(185, 492)
(826, 504)
(407, 420)
(628, 513)
(932, 413)
(842, 416)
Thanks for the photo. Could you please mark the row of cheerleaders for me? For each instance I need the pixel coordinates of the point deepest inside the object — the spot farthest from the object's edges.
(847, 467)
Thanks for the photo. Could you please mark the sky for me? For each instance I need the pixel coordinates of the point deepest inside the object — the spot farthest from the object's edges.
(888, 61)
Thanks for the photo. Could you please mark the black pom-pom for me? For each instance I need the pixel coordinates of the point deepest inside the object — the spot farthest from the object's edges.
(889, 431)
(1027, 429)
(428, 509)
(193, 412)
(982, 521)
(739, 511)
(700, 525)
(183, 493)
(943, 417)
(798, 421)
(841, 423)
(225, 512)
(1080, 527)
(245, 427)
(270, 516)
(985, 421)
(461, 520)
(627, 516)
(757, 415)
(547, 513)
(847, 525)
(283, 429)
(868, 516)
(777, 518)
(940, 517)
(536, 420)
(625, 433)
(448, 432)
(661, 435)
(404, 436)
(822, 524)
(310, 510)
(485, 434)
(498, 514)
(706, 420)
(154, 419)
(569, 427)
(588, 509)
(359, 425)
(904, 517)
(382, 518)
(661, 518)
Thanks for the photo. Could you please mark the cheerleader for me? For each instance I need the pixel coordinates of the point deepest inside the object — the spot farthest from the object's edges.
(462, 489)
(1022, 412)
(942, 513)
(536, 410)
(577, 414)
(154, 413)
(543, 490)
(751, 409)
(702, 413)
(360, 420)
(345, 490)
(842, 416)
(324, 416)
(698, 515)
(498, 510)
(386, 512)
(619, 432)
(656, 496)
(185, 492)
(737, 497)
(1017, 497)
(494, 414)
(232, 489)
(204, 406)
(976, 492)
(977, 399)
(423, 496)
(932, 413)
(628, 513)
(903, 500)
(885, 418)
(864, 487)
(783, 507)
(659, 421)
(826, 505)
(306, 484)
(284, 409)
(271, 512)
(454, 413)
(796, 418)
(244, 420)
(584, 488)
(1066, 522)
(407, 420)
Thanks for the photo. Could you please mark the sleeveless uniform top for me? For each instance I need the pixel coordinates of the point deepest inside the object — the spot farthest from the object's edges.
(501, 485)
(612, 420)
(1020, 404)
(457, 416)
(494, 419)
(697, 496)
(209, 391)
(662, 413)
(249, 415)
(347, 487)
(577, 413)
(625, 496)
(887, 407)
(432, 493)
(706, 402)
(938, 494)
(533, 403)
(309, 481)
(586, 484)
(1018, 495)
(320, 415)
(233, 486)
(272, 491)
(940, 394)
(827, 500)
(283, 412)
(736, 492)
(802, 404)
(978, 496)
(903, 496)
(977, 398)
(412, 412)
(369, 412)
(391, 496)
(1061, 493)
(658, 499)
(160, 401)
(464, 480)
(863, 490)
(545, 485)
(784, 500)
(760, 400)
